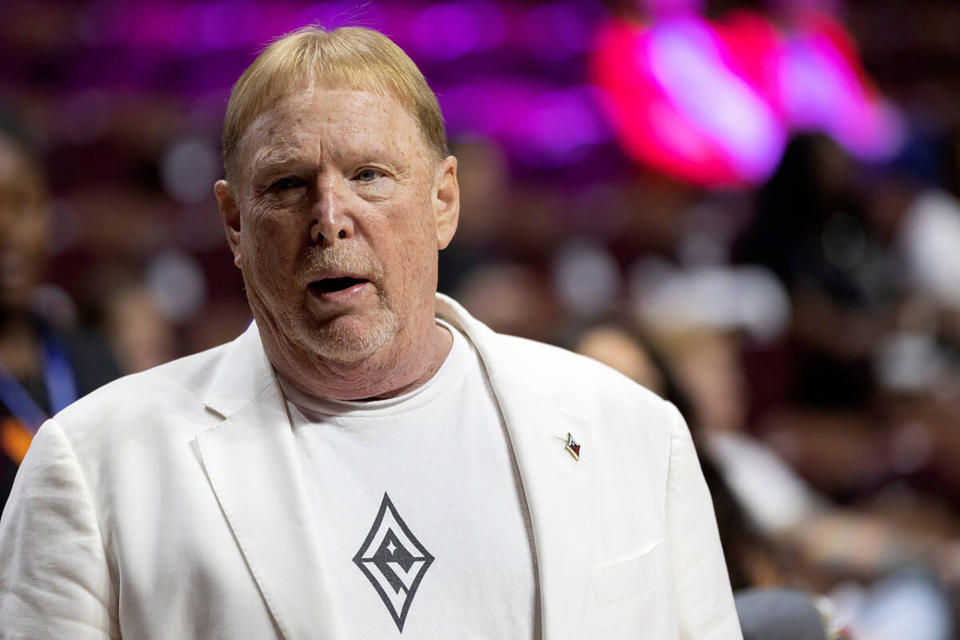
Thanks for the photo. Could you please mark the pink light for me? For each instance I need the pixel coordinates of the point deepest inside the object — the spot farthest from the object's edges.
(820, 88)
(649, 123)
(713, 103)
(687, 61)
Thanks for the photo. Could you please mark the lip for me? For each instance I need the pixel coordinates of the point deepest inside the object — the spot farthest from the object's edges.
(338, 296)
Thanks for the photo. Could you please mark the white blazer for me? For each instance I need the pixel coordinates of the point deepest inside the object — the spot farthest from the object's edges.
(170, 504)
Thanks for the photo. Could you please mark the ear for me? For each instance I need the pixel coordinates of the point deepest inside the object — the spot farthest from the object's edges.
(446, 201)
(230, 214)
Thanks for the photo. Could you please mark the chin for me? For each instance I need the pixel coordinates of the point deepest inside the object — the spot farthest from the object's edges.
(347, 340)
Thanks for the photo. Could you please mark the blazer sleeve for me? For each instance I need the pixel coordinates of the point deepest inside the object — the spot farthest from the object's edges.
(54, 579)
(705, 605)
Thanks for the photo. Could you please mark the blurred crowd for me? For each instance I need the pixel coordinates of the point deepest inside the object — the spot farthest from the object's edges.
(808, 328)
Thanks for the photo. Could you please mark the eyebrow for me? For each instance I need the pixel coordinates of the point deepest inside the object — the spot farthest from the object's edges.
(274, 161)
(280, 159)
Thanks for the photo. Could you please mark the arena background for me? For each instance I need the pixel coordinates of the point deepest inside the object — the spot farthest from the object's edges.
(759, 198)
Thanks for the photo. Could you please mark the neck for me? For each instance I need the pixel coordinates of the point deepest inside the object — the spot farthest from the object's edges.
(388, 373)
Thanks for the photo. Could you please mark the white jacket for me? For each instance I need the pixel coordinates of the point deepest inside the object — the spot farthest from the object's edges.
(170, 505)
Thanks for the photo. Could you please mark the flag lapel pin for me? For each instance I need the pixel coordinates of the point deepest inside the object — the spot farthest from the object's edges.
(573, 447)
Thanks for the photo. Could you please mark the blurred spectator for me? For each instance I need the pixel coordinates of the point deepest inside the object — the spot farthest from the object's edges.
(775, 528)
(929, 235)
(779, 614)
(139, 331)
(513, 299)
(126, 310)
(617, 341)
(828, 545)
(484, 180)
(812, 231)
(44, 364)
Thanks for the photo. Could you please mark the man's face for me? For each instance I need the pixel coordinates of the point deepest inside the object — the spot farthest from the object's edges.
(335, 218)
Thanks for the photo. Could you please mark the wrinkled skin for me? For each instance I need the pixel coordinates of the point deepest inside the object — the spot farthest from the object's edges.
(338, 183)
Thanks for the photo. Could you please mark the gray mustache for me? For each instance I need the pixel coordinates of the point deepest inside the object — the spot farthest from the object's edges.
(346, 260)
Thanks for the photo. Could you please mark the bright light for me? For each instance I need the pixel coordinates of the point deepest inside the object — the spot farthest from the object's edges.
(714, 103)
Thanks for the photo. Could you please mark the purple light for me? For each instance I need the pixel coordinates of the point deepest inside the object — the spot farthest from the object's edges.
(226, 25)
(560, 125)
(819, 90)
(672, 8)
(560, 30)
(331, 15)
(544, 126)
(450, 30)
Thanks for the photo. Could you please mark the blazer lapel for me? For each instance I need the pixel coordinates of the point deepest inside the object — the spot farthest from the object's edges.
(559, 498)
(255, 471)
(558, 488)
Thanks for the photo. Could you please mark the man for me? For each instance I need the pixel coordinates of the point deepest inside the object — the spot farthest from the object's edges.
(366, 461)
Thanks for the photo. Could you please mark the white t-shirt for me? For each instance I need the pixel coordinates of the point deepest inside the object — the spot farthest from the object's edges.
(422, 518)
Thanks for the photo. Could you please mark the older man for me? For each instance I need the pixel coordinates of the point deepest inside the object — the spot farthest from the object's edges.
(366, 461)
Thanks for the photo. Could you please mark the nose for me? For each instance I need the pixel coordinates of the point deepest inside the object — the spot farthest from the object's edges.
(332, 218)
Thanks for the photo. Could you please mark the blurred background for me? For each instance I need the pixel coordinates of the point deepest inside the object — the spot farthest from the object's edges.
(750, 207)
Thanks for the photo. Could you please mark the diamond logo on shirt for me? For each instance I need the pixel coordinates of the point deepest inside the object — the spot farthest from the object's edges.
(393, 560)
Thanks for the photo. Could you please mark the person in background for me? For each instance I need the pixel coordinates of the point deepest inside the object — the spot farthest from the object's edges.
(827, 546)
(619, 342)
(44, 365)
(811, 228)
(777, 573)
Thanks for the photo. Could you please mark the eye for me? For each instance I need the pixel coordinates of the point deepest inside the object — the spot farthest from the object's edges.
(290, 182)
(367, 175)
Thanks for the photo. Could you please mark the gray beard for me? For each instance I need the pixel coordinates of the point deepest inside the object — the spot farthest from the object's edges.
(343, 345)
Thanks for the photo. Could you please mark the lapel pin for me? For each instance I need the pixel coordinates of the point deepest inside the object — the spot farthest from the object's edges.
(573, 447)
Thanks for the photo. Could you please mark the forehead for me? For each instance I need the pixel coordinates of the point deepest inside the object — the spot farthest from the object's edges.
(333, 121)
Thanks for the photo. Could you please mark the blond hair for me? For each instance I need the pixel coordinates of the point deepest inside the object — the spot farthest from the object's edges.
(349, 57)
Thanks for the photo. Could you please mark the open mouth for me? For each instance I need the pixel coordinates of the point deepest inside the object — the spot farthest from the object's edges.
(330, 285)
